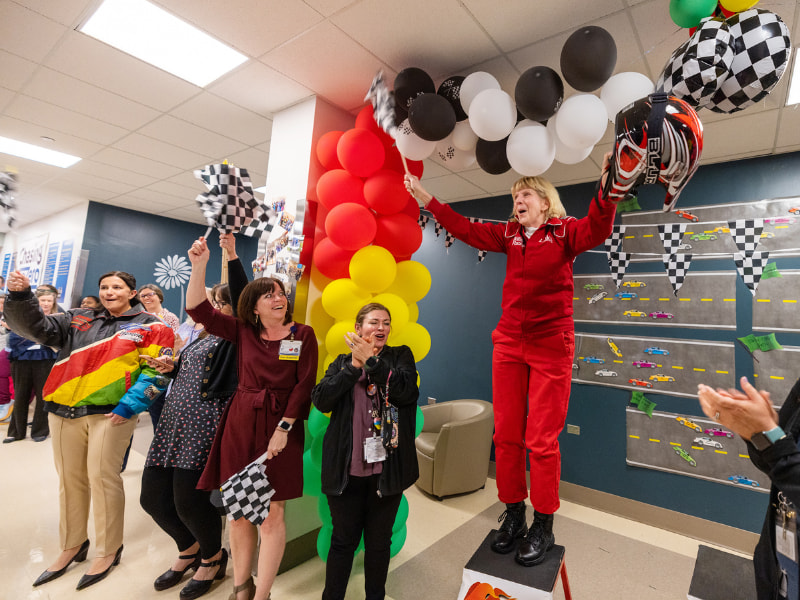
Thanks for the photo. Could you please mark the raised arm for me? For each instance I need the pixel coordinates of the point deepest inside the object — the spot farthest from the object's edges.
(237, 276)
(196, 289)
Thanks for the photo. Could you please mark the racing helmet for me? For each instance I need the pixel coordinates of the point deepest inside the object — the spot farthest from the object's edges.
(658, 139)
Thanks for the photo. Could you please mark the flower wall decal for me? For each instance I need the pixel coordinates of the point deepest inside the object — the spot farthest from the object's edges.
(173, 272)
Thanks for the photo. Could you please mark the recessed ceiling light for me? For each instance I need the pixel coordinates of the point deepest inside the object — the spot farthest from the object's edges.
(794, 82)
(161, 39)
(37, 153)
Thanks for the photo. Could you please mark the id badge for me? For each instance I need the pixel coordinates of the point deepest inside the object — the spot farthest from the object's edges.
(289, 350)
(786, 540)
(374, 450)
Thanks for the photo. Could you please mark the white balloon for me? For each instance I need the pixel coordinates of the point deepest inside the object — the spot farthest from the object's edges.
(622, 89)
(582, 121)
(493, 115)
(452, 157)
(410, 145)
(530, 149)
(474, 84)
(565, 154)
(463, 136)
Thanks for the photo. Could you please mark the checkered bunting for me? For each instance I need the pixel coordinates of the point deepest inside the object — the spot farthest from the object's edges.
(230, 200)
(751, 267)
(261, 224)
(613, 242)
(247, 493)
(449, 238)
(437, 227)
(746, 234)
(618, 263)
(762, 50)
(697, 69)
(423, 220)
(676, 266)
(671, 236)
(481, 255)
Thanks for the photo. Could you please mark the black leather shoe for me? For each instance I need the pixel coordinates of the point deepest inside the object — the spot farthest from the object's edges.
(513, 528)
(50, 575)
(196, 588)
(539, 540)
(8, 440)
(171, 578)
(88, 580)
(39, 438)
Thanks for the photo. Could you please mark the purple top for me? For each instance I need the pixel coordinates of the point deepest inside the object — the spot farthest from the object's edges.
(362, 429)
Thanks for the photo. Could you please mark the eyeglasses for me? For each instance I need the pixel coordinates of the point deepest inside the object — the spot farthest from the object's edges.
(221, 304)
(145, 296)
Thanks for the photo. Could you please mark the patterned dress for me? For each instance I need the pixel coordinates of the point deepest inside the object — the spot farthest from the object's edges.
(188, 424)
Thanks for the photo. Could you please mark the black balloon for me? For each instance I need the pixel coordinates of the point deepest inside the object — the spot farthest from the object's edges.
(588, 58)
(410, 83)
(450, 89)
(538, 93)
(431, 117)
(492, 157)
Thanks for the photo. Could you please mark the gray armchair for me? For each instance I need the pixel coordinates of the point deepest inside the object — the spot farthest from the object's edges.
(454, 447)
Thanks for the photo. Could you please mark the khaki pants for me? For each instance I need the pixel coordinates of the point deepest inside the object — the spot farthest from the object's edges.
(88, 453)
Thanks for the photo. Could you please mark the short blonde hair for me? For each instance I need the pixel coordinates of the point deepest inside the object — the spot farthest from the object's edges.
(545, 189)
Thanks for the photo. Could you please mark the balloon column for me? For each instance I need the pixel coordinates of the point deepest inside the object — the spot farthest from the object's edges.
(363, 254)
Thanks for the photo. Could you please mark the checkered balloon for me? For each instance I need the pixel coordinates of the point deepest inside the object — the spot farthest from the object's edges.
(761, 52)
(697, 69)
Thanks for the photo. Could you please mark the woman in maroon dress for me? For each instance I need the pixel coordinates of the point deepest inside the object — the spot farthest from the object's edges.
(277, 369)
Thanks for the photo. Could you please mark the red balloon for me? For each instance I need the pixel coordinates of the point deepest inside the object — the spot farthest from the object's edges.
(331, 260)
(412, 208)
(400, 234)
(326, 150)
(351, 226)
(395, 163)
(360, 152)
(385, 192)
(338, 186)
(366, 120)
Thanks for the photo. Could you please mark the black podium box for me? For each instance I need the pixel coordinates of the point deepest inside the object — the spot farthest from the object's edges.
(490, 572)
(721, 575)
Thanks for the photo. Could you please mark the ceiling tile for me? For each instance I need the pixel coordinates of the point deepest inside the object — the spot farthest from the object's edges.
(32, 133)
(148, 170)
(724, 138)
(188, 136)
(789, 128)
(16, 70)
(66, 12)
(16, 26)
(188, 213)
(493, 185)
(103, 169)
(452, 186)
(260, 88)
(160, 151)
(216, 114)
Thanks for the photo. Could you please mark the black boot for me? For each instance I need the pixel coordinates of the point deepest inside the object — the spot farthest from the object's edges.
(513, 527)
(539, 540)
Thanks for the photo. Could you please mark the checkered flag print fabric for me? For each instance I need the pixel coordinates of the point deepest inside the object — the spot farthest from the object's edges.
(618, 263)
(423, 220)
(8, 185)
(247, 494)
(613, 242)
(761, 52)
(676, 266)
(697, 69)
(481, 255)
(746, 234)
(261, 224)
(230, 201)
(437, 227)
(449, 238)
(671, 236)
(751, 267)
(382, 104)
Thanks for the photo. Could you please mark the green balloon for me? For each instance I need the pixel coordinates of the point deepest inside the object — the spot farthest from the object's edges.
(312, 477)
(689, 13)
(402, 515)
(316, 451)
(420, 422)
(324, 511)
(317, 422)
(398, 541)
(324, 542)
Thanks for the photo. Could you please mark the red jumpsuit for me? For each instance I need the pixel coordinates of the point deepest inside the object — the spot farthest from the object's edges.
(534, 341)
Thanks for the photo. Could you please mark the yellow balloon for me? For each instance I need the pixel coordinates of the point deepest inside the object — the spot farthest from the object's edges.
(416, 337)
(412, 282)
(373, 268)
(397, 308)
(413, 312)
(319, 319)
(342, 299)
(326, 362)
(334, 340)
(737, 5)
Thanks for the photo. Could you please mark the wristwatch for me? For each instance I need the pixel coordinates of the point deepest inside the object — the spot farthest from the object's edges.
(284, 426)
(372, 362)
(764, 439)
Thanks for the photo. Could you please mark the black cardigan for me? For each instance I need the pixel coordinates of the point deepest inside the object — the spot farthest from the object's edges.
(334, 394)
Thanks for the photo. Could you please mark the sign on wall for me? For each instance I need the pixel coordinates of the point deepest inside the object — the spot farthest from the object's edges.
(32, 258)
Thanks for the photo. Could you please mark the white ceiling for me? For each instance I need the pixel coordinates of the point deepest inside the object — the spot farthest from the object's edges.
(141, 131)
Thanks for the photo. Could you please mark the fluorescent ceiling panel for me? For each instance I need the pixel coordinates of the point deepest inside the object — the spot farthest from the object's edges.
(161, 39)
(37, 153)
(794, 83)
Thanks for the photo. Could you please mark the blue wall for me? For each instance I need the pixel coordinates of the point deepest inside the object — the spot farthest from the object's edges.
(126, 240)
(463, 307)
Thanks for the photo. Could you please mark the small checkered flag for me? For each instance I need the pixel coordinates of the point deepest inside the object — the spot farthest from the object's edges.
(676, 266)
(746, 234)
(437, 227)
(423, 220)
(613, 242)
(751, 267)
(761, 52)
(481, 255)
(247, 493)
(671, 236)
(697, 69)
(382, 104)
(8, 185)
(618, 263)
(449, 238)
(230, 201)
(261, 224)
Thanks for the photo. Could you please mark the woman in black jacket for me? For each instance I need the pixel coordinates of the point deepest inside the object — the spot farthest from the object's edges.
(362, 478)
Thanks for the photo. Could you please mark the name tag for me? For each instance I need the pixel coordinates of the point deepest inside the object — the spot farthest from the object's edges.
(786, 540)
(374, 450)
(290, 350)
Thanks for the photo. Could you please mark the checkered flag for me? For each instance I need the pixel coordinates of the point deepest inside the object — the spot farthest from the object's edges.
(437, 227)
(481, 255)
(382, 104)
(613, 242)
(247, 493)
(761, 52)
(671, 236)
(746, 234)
(261, 224)
(230, 200)
(617, 263)
(676, 266)
(8, 185)
(751, 267)
(423, 220)
(697, 69)
(449, 238)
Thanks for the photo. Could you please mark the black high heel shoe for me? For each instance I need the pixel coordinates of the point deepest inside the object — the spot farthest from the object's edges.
(88, 580)
(50, 575)
(171, 578)
(196, 587)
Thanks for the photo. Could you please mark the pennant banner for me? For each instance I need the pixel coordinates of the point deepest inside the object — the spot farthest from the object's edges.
(671, 236)
(617, 263)
(751, 267)
(676, 266)
(614, 242)
(746, 234)
(437, 227)
(423, 220)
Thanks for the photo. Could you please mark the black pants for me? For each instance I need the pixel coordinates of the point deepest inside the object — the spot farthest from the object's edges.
(360, 510)
(182, 511)
(29, 377)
